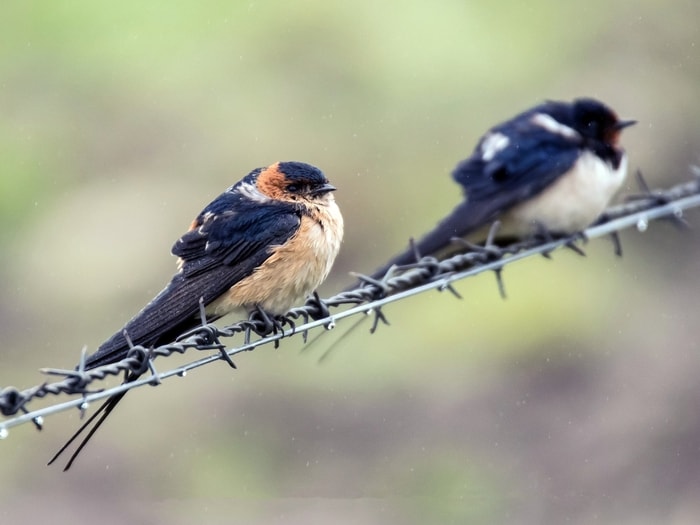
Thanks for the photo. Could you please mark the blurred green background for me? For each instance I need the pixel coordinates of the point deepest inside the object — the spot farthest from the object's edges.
(575, 400)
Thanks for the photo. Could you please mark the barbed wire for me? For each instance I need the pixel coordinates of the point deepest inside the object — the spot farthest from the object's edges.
(367, 298)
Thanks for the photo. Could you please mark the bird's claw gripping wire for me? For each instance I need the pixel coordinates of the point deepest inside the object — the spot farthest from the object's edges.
(264, 324)
(317, 307)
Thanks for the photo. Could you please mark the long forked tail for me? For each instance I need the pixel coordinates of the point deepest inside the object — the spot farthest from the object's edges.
(99, 417)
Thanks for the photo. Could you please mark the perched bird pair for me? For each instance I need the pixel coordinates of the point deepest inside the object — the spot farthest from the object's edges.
(271, 239)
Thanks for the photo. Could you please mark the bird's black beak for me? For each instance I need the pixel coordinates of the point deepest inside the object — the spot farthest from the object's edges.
(622, 124)
(320, 190)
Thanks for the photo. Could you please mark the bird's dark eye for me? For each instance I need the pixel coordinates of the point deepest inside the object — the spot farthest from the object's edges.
(294, 188)
(592, 126)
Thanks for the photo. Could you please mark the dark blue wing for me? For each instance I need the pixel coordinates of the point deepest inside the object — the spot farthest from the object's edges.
(220, 250)
(232, 238)
(532, 160)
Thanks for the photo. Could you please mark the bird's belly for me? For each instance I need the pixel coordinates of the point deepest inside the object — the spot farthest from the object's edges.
(292, 272)
(572, 202)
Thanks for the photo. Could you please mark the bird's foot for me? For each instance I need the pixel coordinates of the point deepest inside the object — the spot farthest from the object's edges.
(263, 323)
(318, 307)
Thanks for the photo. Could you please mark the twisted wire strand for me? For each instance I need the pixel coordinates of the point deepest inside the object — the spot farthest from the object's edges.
(400, 282)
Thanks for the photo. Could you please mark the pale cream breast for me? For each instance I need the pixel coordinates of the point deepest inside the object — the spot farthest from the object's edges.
(572, 202)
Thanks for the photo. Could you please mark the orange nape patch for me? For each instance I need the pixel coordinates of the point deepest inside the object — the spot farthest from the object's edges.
(272, 182)
(612, 136)
(195, 224)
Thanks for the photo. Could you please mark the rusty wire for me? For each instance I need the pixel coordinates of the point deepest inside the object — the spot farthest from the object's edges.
(367, 298)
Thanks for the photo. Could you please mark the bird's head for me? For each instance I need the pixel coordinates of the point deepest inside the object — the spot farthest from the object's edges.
(595, 121)
(293, 182)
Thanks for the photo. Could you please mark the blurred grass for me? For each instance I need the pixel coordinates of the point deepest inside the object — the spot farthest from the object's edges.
(122, 120)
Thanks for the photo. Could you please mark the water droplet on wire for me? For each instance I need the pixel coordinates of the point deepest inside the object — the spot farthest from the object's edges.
(642, 224)
(4, 432)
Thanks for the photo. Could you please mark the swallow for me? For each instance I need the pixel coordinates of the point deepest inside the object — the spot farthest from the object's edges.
(265, 243)
(552, 168)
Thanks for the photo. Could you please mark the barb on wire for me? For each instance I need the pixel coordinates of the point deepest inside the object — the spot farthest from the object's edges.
(368, 298)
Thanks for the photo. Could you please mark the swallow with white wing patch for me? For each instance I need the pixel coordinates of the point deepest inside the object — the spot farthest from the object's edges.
(554, 167)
